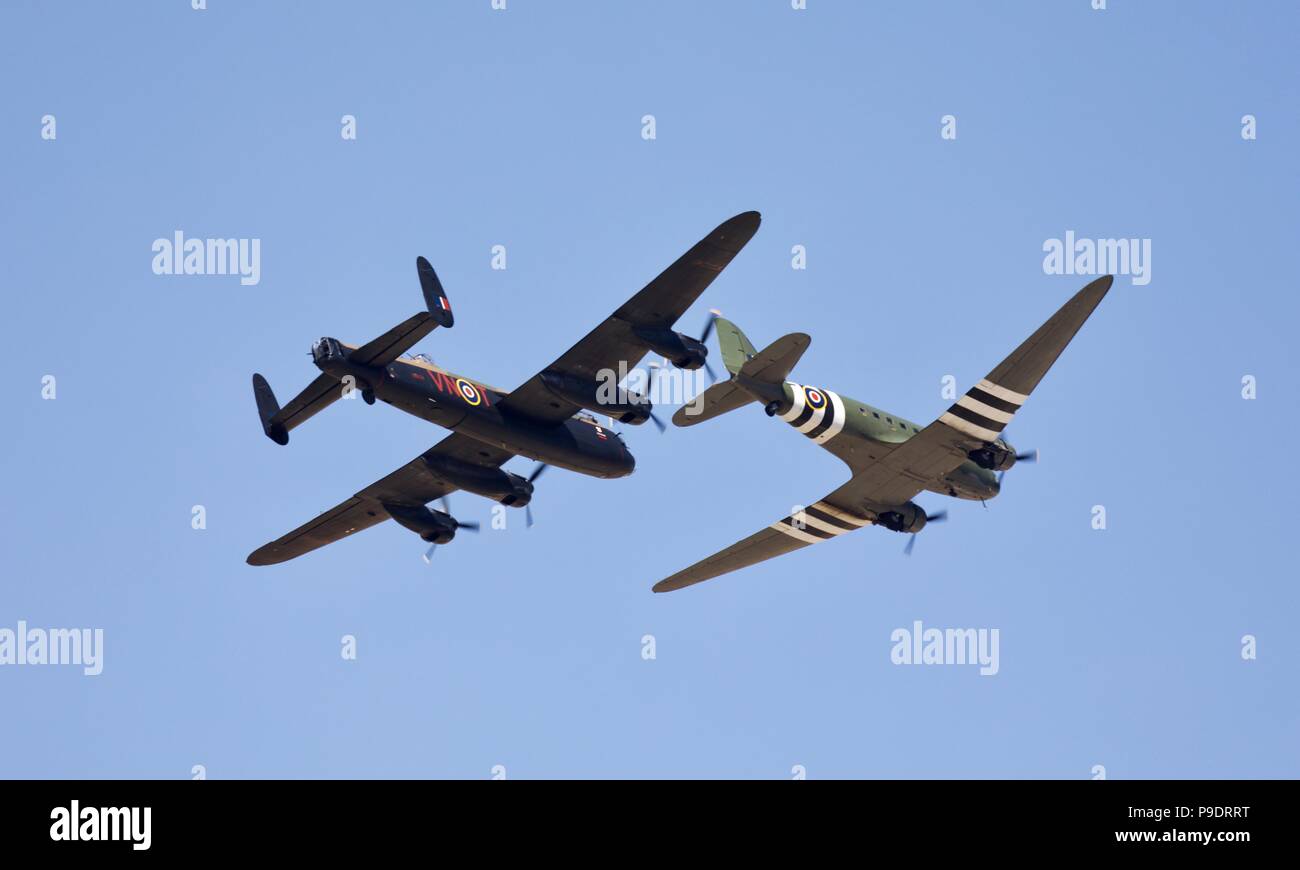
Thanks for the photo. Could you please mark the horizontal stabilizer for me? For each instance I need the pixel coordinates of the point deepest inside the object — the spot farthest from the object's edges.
(405, 335)
(278, 422)
(718, 399)
(773, 364)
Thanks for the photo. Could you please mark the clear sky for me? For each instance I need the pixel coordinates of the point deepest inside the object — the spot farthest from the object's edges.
(523, 648)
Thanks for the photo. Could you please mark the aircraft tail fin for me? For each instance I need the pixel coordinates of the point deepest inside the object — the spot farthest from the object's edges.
(771, 365)
(734, 344)
(756, 376)
(392, 344)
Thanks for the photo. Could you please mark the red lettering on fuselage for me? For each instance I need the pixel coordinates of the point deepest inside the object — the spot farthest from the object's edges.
(445, 383)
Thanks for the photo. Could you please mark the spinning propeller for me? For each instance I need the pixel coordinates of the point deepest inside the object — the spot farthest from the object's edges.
(649, 388)
(714, 314)
(446, 509)
(528, 508)
(1027, 456)
(936, 517)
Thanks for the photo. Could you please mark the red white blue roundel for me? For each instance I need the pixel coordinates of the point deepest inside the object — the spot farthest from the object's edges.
(468, 391)
(816, 398)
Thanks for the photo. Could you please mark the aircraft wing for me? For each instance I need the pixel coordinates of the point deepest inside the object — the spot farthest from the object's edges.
(659, 304)
(812, 525)
(412, 484)
(897, 476)
(977, 418)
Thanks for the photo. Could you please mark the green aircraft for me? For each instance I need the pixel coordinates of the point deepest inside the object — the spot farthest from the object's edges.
(963, 454)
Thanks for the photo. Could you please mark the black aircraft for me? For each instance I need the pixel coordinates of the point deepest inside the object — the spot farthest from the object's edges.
(541, 420)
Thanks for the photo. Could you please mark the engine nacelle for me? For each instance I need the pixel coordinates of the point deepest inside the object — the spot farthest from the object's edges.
(909, 517)
(494, 483)
(434, 527)
(998, 456)
(606, 399)
(681, 350)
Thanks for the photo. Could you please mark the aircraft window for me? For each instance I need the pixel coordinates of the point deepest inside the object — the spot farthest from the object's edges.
(874, 414)
(889, 420)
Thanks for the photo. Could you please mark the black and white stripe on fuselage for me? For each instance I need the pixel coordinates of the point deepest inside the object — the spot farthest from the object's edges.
(819, 522)
(815, 412)
(984, 411)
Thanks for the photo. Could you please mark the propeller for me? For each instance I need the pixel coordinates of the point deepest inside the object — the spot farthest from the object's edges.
(1028, 456)
(528, 508)
(651, 369)
(714, 314)
(446, 509)
(936, 517)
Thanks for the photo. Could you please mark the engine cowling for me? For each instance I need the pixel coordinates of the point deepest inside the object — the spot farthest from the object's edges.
(434, 527)
(908, 517)
(494, 483)
(998, 456)
(681, 350)
(602, 398)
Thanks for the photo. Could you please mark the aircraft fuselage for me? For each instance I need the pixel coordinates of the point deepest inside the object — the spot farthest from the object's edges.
(462, 405)
(850, 428)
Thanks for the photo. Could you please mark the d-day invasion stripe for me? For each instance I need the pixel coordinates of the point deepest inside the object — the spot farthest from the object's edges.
(796, 406)
(984, 411)
(837, 414)
(819, 522)
(815, 412)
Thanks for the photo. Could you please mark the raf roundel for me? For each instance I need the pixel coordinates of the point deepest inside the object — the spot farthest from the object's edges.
(468, 391)
(816, 398)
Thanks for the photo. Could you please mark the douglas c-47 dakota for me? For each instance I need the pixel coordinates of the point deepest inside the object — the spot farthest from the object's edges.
(963, 454)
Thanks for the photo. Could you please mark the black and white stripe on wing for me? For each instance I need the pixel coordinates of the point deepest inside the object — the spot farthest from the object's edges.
(819, 522)
(984, 411)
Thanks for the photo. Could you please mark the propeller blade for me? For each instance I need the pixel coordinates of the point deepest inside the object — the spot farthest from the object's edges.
(528, 515)
(659, 424)
(446, 505)
(1029, 456)
(428, 554)
(713, 376)
(537, 472)
(469, 527)
(708, 325)
(911, 542)
(1001, 474)
(937, 516)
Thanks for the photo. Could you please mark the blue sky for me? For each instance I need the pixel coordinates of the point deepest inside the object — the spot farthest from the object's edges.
(522, 648)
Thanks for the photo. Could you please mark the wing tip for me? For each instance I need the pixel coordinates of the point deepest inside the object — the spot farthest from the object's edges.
(1100, 286)
(262, 556)
(735, 232)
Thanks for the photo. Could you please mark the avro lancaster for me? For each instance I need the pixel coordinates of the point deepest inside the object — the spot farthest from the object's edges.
(543, 420)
